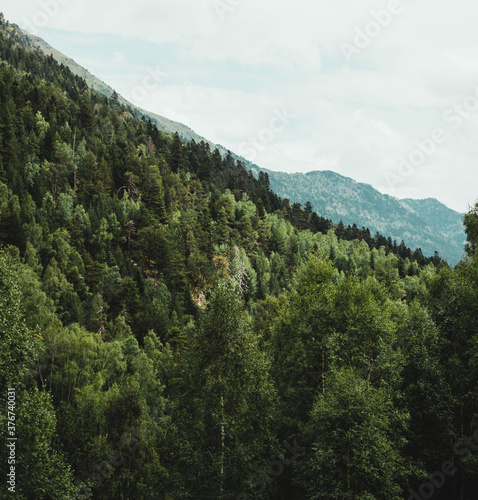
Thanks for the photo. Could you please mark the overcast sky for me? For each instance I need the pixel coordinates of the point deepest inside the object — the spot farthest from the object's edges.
(383, 92)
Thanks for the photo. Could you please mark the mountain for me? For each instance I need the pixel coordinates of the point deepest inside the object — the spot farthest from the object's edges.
(448, 222)
(426, 224)
(165, 124)
(172, 329)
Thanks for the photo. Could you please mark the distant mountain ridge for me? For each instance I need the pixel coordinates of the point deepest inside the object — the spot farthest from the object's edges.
(425, 224)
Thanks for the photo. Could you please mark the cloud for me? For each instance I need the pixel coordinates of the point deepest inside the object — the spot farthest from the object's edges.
(118, 58)
(228, 70)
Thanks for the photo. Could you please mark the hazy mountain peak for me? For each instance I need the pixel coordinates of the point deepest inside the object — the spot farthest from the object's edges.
(427, 223)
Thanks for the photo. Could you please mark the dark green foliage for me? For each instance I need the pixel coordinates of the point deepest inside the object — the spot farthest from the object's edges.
(471, 225)
(357, 442)
(169, 322)
(226, 402)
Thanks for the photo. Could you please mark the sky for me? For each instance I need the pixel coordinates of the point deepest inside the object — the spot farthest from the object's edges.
(384, 92)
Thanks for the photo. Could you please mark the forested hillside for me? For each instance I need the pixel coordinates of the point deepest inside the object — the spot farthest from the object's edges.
(427, 224)
(172, 329)
(165, 124)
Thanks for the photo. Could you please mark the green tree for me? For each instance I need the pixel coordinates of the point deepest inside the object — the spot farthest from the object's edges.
(42, 470)
(226, 403)
(176, 154)
(357, 437)
(471, 229)
(19, 344)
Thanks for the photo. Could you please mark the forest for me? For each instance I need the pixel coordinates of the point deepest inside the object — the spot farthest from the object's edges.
(172, 329)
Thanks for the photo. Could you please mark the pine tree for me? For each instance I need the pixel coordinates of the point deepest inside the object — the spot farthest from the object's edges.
(176, 154)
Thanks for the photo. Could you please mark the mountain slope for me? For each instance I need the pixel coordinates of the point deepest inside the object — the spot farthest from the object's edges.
(427, 224)
(102, 88)
(447, 222)
(170, 322)
(420, 223)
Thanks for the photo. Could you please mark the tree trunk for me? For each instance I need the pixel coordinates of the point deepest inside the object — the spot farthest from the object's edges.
(223, 434)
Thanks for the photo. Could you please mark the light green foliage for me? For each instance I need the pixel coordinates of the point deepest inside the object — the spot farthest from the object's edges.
(41, 124)
(64, 208)
(43, 471)
(19, 344)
